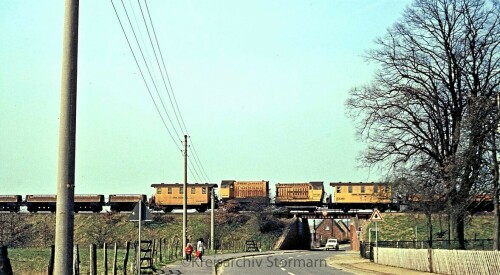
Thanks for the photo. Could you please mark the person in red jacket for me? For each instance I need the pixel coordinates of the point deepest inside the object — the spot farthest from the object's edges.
(188, 251)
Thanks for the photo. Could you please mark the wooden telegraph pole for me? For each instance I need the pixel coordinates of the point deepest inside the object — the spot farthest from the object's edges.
(184, 198)
(67, 133)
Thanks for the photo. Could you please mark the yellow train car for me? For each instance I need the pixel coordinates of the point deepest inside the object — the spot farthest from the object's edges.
(300, 194)
(169, 196)
(244, 191)
(362, 195)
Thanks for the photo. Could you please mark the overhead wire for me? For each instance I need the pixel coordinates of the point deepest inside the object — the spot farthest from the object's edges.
(195, 167)
(143, 78)
(148, 69)
(173, 100)
(197, 170)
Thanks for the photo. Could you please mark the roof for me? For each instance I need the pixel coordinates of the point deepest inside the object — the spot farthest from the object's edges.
(226, 183)
(155, 185)
(358, 183)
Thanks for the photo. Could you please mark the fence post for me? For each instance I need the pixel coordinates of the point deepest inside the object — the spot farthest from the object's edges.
(126, 258)
(105, 260)
(93, 259)
(161, 255)
(5, 267)
(115, 256)
(76, 260)
(134, 262)
(153, 250)
(430, 260)
(51, 261)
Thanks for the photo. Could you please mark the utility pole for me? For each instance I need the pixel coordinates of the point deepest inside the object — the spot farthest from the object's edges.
(184, 197)
(212, 218)
(67, 137)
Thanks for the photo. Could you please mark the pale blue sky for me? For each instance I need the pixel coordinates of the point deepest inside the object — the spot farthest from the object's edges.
(261, 86)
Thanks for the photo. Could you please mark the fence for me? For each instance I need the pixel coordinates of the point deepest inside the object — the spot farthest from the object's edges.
(117, 257)
(440, 261)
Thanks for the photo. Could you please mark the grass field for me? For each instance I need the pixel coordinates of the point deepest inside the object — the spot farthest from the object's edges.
(413, 226)
(29, 237)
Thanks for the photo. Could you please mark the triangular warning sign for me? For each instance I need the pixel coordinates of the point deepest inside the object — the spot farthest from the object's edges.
(376, 216)
(145, 216)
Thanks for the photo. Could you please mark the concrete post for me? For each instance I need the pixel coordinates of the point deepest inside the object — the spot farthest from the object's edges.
(212, 219)
(63, 259)
(184, 199)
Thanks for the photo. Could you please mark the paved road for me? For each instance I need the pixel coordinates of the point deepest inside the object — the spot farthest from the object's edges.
(297, 263)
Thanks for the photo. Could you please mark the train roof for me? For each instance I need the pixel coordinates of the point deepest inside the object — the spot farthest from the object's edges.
(155, 185)
(357, 183)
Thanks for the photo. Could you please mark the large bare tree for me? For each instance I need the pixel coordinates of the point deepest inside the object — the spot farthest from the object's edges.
(430, 102)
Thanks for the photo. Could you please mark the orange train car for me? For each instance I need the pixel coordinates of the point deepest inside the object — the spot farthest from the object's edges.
(244, 191)
(300, 194)
(169, 196)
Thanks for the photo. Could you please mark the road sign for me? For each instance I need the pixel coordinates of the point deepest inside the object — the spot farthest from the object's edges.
(376, 216)
(141, 208)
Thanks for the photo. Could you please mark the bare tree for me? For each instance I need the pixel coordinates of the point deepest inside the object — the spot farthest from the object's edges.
(427, 105)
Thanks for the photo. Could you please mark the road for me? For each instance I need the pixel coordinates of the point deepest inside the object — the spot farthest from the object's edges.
(297, 263)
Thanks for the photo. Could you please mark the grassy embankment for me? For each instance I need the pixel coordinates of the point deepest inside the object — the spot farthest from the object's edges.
(32, 235)
(411, 226)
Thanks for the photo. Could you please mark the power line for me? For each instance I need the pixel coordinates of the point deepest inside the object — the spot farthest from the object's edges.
(197, 167)
(147, 67)
(197, 159)
(143, 78)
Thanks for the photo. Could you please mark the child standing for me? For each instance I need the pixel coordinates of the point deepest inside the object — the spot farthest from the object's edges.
(200, 247)
(188, 251)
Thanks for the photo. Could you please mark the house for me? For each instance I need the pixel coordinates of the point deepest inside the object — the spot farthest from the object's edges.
(328, 229)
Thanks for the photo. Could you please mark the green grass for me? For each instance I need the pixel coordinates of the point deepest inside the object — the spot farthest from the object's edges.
(408, 226)
(30, 236)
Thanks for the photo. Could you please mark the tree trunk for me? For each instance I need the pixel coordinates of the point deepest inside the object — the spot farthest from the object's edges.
(429, 226)
(459, 229)
(496, 191)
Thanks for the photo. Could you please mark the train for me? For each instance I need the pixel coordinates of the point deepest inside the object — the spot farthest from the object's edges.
(92, 203)
(307, 196)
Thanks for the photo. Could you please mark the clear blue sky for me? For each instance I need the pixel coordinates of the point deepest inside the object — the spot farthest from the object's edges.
(261, 86)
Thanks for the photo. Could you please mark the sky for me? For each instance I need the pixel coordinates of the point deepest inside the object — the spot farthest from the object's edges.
(261, 87)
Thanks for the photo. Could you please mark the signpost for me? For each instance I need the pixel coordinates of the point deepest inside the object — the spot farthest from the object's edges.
(376, 217)
(139, 214)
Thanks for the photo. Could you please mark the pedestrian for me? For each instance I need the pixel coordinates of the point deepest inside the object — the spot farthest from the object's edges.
(188, 251)
(200, 248)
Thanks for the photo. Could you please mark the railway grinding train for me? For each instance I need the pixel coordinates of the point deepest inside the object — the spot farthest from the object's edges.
(346, 196)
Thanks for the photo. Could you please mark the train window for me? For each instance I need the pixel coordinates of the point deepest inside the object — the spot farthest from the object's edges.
(204, 190)
(193, 190)
(375, 189)
(158, 191)
(339, 189)
(181, 190)
(382, 189)
(362, 189)
(349, 189)
(169, 190)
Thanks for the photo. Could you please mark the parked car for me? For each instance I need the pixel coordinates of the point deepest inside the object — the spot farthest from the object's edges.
(332, 244)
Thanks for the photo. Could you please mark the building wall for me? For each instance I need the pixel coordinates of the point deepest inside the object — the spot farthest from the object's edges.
(328, 229)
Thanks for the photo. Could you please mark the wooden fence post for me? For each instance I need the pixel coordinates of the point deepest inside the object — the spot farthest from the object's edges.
(76, 260)
(161, 255)
(134, 262)
(153, 251)
(5, 267)
(115, 256)
(93, 259)
(126, 258)
(105, 260)
(51, 260)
